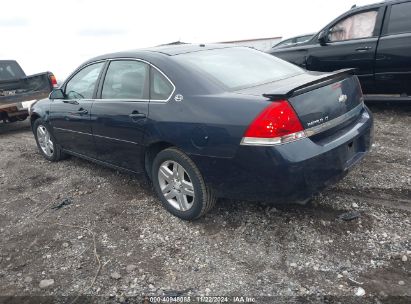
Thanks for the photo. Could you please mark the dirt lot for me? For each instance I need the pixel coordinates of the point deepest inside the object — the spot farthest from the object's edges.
(239, 249)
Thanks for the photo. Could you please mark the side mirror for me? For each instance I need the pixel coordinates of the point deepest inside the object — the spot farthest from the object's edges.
(57, 94)
(322, 37)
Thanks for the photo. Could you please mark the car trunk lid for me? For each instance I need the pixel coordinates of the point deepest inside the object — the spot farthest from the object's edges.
(321, 100)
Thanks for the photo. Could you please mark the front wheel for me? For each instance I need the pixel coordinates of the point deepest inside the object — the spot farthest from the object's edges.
(46, 143)
(180, 185)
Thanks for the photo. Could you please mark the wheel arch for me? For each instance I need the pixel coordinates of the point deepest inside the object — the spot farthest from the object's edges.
(150, 153)
(33, 117)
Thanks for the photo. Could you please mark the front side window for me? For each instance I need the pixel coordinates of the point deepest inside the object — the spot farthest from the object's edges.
(126, 79)
(160, 88)
(82, 84)
(400, 18)
(354, 27)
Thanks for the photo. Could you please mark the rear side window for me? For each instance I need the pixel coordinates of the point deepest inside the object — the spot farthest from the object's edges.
(82, 84)
(400, 18)
(160, 88)
(126, 79)
(239, 67)
(354, 27)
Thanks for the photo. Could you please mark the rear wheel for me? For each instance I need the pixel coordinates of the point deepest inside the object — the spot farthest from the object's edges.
(46, 143)
(180, 185)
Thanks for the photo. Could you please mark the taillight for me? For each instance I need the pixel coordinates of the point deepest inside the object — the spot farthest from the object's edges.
(53, 80)
(276, 124)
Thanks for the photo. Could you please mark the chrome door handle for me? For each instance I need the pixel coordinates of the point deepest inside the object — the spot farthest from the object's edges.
(79, 112)
(363, 48)
(136, 115)
(82, 111)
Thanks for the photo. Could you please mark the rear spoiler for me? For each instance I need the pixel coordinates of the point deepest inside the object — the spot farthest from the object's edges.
(320, 81)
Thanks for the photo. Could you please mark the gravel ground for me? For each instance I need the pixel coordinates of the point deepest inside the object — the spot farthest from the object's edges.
(113, 239)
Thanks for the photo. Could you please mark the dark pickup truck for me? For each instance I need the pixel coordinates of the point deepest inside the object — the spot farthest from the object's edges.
(18, 91)
(375, 39)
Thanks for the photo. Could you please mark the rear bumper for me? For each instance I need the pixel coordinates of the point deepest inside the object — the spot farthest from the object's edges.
(293, 171)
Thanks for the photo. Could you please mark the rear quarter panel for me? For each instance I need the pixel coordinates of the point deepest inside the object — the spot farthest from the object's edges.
(207, 125)
(208, 121)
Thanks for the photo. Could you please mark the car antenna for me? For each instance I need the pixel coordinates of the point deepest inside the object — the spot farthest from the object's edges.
(354, 6)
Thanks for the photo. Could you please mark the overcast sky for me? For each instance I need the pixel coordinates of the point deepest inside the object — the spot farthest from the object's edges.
(59, 35)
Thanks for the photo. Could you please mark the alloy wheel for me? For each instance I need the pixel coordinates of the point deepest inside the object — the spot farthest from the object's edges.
(176, 185)
(45, 142)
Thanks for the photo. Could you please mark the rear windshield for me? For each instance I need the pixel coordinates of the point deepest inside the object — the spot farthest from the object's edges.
(10, 70)
(239, 67)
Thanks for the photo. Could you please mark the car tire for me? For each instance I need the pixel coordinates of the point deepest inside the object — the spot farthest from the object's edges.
(184, 195)
(48, 148)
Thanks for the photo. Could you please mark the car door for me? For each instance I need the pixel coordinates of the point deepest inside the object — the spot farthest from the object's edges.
(393, 60)
(350, 42)
(70, 116)
(119, 115)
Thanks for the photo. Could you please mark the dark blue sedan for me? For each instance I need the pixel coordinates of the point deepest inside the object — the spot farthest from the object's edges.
(209, 121)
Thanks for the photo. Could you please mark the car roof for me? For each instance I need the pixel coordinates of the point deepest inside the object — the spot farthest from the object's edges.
(377, 4)
(157, 55)
(168, 50)
(7, 60)
(172, 50)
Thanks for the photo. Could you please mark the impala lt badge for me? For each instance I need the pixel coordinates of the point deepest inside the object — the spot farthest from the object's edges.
(342, 98)
(317, 121)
